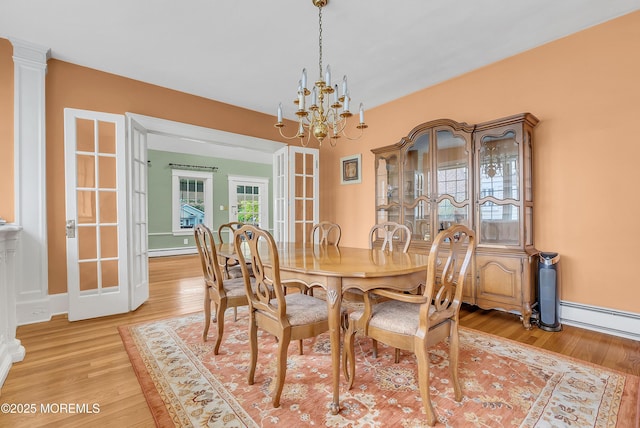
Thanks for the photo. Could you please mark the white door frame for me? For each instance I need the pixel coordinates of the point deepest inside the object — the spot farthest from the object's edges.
(261, 182)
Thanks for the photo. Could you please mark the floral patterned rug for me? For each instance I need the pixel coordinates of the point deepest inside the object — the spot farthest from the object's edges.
(505, 384)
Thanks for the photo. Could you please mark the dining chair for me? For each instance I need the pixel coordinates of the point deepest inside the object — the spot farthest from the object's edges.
(415, 322)
(390, 231)
(325, 233)
(286, 315)
(225, 234)
(223, 293)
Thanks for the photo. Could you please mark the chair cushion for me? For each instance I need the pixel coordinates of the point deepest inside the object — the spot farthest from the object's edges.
(235, 286)
(303, 309)
(394, 316)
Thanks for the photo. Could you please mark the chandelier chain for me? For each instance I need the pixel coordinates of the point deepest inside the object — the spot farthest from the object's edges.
(320, 41)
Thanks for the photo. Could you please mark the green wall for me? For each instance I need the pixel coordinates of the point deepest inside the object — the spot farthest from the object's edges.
(159, 202)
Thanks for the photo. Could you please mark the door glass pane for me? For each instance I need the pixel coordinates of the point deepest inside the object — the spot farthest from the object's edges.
(453, 166)
(87, 243)
(499, 167)
(499, 224)
(85, 141)
(86, 171)
(86, 201)
(248, 204)
(107, 172)
(416, 169)
(387, 180)
(88, 276)
(107, 137)
(417, 219)
(109, 273)
(108, 207)
(108, 241)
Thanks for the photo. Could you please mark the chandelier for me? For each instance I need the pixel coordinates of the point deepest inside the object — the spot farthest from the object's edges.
(327, 113)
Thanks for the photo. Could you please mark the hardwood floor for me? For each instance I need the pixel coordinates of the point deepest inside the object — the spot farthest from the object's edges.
(84, 362)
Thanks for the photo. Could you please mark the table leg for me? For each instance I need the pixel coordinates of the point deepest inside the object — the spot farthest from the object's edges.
(334, 300)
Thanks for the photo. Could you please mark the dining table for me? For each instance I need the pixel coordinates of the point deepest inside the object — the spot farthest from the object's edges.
(338, 270)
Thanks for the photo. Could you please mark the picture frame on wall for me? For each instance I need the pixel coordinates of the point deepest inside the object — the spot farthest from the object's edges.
(351, 169)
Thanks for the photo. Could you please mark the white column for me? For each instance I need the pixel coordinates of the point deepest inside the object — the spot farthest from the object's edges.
(30, 67)
(11, 350)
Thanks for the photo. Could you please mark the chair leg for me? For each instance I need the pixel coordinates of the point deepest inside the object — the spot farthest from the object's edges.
(300, 348)
(253, 348)
(454, 349)
(348, 355)
(220, 317)
(207, 315)
(374, 347)
(397, 358)
(235, 313)
(283, 345)
(422, 355)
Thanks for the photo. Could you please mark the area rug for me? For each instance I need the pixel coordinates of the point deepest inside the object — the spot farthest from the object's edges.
(505, 384)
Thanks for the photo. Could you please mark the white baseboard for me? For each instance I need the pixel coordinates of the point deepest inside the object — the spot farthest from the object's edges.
(5, 363)
(33, 311)
(163, 252)
(603, 320)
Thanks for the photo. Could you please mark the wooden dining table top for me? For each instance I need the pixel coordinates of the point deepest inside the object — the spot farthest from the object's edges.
(339, 261)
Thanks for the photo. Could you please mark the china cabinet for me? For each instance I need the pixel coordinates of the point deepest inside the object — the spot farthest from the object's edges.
(445, 172)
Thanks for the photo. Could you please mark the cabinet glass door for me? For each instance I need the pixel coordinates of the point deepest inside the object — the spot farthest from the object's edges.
(417, 189)
(387, 188)
(453, 180)
(499, 198)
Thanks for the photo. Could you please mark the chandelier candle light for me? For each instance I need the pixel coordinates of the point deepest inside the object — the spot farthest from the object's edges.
(328, 112)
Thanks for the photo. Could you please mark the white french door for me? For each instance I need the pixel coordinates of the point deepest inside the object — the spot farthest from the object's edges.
(296, 187)
(96, 209)
(249, 200)
(138, 236)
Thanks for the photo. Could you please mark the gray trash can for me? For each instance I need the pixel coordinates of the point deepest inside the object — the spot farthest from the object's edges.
(548, 292)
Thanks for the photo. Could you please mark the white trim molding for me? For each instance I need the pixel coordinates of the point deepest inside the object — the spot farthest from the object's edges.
(604, 320)
(30, 68)
(11, 350)
(163, 252)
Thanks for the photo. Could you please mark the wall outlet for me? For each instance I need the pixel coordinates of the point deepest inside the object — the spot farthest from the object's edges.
(186, 241)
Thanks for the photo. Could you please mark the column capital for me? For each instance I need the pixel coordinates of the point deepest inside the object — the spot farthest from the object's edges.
(31, 53)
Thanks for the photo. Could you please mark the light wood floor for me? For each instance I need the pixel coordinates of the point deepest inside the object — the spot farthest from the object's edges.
(85, 361)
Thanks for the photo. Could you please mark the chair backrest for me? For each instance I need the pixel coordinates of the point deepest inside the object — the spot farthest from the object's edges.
(449, 261)
(229, 229)
(325, 233)
(257, 246)
(208, 257)
(390, 230)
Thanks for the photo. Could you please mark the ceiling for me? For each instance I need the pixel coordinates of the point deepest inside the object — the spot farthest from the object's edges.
(251, 53)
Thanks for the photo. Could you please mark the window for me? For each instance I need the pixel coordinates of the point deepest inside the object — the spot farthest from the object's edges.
(192, 200)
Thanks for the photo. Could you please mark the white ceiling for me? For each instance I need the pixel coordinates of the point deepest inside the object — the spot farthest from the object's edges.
(250, 53)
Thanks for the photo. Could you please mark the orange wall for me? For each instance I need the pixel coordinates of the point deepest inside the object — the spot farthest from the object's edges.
(6, 131)
(585, 89)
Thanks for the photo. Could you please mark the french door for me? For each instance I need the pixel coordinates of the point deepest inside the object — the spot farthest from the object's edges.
(249, 200)
(296, 198)
(107, 271)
